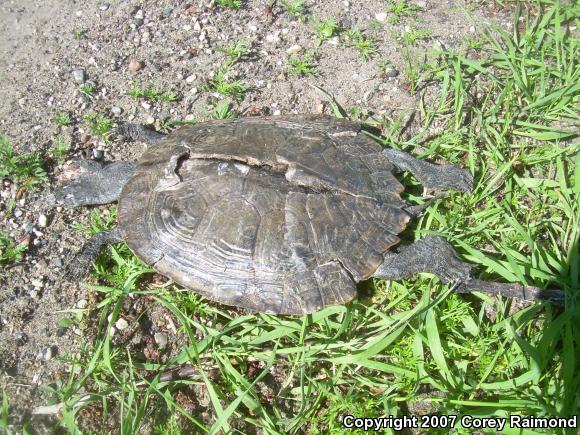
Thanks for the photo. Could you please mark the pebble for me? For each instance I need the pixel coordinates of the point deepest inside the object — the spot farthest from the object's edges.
(197, 26)
(191, 78)
(79, 75)
(277, 113)
(98, 154)
(273, 38)
(42, 221)
(139, 14)
(393, 72)
(136, 65)
(116, 110)
(17, 213)
(381, 16)
(57, 262)
(160, 339)
(334, 40)
(145, 105)
(49, 353)
(252, 27)
(150, 120)
(104, 6)
(472, 29)
(82, 304)
(121, 324)
(295, 49)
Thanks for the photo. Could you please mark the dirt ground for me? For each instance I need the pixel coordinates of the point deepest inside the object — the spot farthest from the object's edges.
(51, 48)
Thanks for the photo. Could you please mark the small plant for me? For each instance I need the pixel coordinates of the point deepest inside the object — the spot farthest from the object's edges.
(400, 9)
(88, 90)
(367, 46)
(80, 33)
(236, 50)
(375, 25)
(10, 252)
(62, 118)
(474, 43)
(295, 8)
(24, 170)
(99, 125)
(60, 148)
(415, 35)
(151, 92)
(302, 65)
(221, 84)
(98, 221)
(222, 110)
(232, 4)
(326, 29)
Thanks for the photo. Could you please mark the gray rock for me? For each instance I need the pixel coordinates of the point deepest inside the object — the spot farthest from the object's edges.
(42, 221)
(79, 75)
(392, 72)
(160, 339)
(103, 6)
(121, 324)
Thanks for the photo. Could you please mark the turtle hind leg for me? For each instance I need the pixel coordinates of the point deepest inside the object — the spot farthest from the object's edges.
(435, 255)
(434, 178)
(138, 133)
(80, 266)
(90, 182)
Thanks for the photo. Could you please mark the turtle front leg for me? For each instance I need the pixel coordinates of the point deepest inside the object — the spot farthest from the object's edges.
(138, 133)
(91, 182)
(80, 266)
(434, 178)
(435, 255)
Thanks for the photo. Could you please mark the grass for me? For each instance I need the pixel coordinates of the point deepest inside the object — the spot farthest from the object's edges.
(152, 92)
(99, 125)
(367, 46)
(232, 4)
(80, 33)
(414, 35)
(10, 252)
(24, 170)
(302, 65)
(60, 148)
(400, 9)
(401, 348)
(224, 85)
(294, 8)
(326, 29)
(62, 118)
(88, 90)
(236, 50)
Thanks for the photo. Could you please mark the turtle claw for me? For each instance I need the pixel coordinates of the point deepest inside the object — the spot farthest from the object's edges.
(435, 178)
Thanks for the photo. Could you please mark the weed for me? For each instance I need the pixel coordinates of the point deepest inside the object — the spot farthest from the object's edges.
(99, 125)
(88, 90)
(236, 50)
(367, 46)
(474, 42)
(302, 65)
(62, 118)
(152, 93)
(415, 35)
(25, 170)
(10, 252)
(232, 4)
(326, 29)
(400, 9)
(222, 84)
(80, 33)
(223, 110)
(375, 25)
(295, 8)
(60, 148)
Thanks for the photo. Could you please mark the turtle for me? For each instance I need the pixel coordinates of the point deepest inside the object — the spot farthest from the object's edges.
(280, 214)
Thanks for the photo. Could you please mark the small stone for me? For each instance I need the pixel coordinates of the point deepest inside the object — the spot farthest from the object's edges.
(145, 105)
(49, 353)
(319, 107)
(82, 304)
(18, 213)
(98, 154)
(150, 120)
(295, 49)
(136, 65)
(191, 78)
(472, 29)
(116, 110)
(197, 26)
(190, 117)
(273, 38)
(392, 72)
(139, 14)
(160, 339)
(42, 220)
(103, 6)
(79, 75)
(187, 27)
(252, 27)
(121, 324)
(57, 262)
(277, 113)
(193, 91)
(381, 16)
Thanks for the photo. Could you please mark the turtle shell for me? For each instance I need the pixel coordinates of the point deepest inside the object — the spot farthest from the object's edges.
(274, 214)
